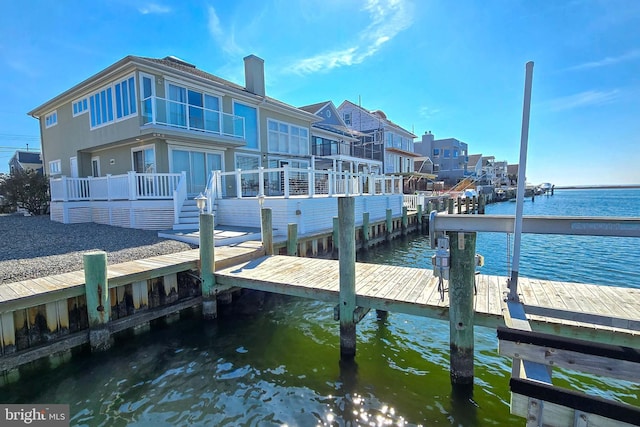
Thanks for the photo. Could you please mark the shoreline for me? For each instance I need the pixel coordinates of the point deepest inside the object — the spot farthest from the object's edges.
(598, 187)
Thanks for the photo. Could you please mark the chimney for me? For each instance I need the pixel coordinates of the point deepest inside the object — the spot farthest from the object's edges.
(254, 74)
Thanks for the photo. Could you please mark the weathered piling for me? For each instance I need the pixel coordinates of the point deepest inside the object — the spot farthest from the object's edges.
(335, 237)
(451, 203)
(347, 266)
(389, 223)
(405, 220)
(459, 205)
(420, 219)
(292, 239)
(267, 230)
(98, 306)
(482, 202)
(461, 313)
(366, 231)
(207, 267)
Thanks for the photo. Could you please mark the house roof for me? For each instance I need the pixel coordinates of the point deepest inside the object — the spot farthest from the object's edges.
(379, 114)
(314, 108)
(512, 169)
(28, 157)
(403, 152)
(473, 160)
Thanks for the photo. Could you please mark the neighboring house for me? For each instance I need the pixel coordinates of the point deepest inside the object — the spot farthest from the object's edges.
(512, 174)
(144, 128)
(450, 157)
(396, 143)
(475, 167)
(23, 161)
(339, 148)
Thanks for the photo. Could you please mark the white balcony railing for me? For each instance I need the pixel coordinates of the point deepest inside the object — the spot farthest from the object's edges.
(287, 181)
(131, 186)
(181, 115)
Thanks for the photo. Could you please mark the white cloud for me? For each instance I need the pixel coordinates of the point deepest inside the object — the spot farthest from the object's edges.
(153, 8)
(225, 40)
(584, 99)
(387, 19)
(628, 56)
(428, 112)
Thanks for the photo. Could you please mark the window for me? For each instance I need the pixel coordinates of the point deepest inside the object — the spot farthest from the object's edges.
(95, 166)
(455, 153)
(436, 152)
(55, 167)
(347, 119)
(51, 119)
(286, 138)
(125, 98)
(147, 92)
(114, 102)
(250, 115)
(447, 153)
(144, 159)
(80, 106)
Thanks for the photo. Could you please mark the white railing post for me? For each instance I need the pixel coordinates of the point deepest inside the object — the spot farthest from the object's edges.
(133, 185)
(261, 181)
(372, 184)
(347, 183)
(65, 190)
(285, 173)
(400, 185)
(239, 183)
(330, 177)
(312, 182)
(89, 188)
(218, 179)
(108, 186)
(361, 183)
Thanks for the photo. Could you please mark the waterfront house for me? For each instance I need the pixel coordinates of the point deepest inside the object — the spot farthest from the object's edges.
(338, 147)
(450, 157)
(23, 161)
(133, 145)
(396, 143)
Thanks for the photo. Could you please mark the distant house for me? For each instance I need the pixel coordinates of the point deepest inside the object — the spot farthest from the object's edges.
(512, 174)
(337, 146)
(394, 142)
(119, 144)
(23, 161)
(449, 156)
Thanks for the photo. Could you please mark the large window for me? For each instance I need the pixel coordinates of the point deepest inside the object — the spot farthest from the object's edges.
(287, 138)
(144, 159)
(250, 182)
(114, 102)
(250, 123)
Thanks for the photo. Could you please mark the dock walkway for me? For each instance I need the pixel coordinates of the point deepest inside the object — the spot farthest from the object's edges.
(574, 307)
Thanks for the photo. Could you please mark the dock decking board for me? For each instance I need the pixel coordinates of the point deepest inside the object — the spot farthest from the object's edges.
(414, 291)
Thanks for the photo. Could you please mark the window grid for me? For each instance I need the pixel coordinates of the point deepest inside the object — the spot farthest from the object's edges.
(287, 138)
(51, 119)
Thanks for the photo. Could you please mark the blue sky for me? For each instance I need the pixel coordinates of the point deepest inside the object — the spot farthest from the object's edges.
(455, 68)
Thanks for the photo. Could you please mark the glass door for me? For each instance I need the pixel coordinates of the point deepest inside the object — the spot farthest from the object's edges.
(197, 165)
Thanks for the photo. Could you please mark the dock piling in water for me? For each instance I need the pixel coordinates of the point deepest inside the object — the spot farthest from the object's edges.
(347, 266)
(267, 230)
(461, 311)
(207, 267)
(292, 240)
(98, 305)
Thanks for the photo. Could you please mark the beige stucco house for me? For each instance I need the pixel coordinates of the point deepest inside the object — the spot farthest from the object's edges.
(130, 144)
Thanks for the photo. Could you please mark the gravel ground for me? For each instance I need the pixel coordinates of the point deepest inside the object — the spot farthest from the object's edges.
(36, 246)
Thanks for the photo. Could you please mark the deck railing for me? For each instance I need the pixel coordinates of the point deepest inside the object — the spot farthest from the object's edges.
(287, 181)
(130, 186)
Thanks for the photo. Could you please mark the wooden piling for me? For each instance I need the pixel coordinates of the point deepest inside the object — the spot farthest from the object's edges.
(336, 240)
(467, 203)
(207, 267)
(98, 305)
(347, 266)
(474, 208)
(420, 226)
(267, 230)
(366, 232)
(459, 205)
(461, 314)
(389, 223)
(481, 204)
(405, 220)
(292, 240)
(450, 210)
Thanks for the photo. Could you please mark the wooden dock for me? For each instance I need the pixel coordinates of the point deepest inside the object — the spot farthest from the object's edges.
(580, 310)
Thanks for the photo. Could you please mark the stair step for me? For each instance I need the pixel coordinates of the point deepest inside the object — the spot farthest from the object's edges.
(190, 214)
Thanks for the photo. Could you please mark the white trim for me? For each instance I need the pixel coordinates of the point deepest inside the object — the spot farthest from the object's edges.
(54, 119)
(112, 85)
(142, 75)
(73, 167)
(143, 148)
(55, 167)
(80, 101)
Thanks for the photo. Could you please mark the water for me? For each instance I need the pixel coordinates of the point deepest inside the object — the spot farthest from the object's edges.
(279, 365)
